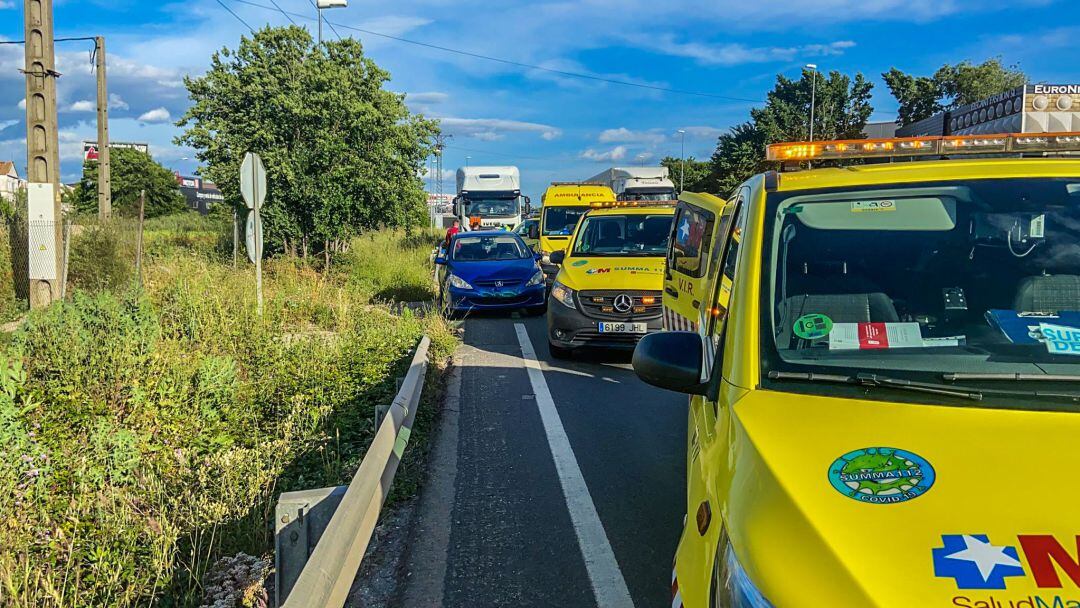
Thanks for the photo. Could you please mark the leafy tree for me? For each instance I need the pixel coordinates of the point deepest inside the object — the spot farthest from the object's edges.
(919, 96)
(841, 110)
(950, 87)
(131, 172)
(342, 153)
(695, 171)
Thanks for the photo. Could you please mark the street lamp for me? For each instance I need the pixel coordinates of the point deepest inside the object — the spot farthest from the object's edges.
(322, 5)
(682, 159)
(641, 158)
(467, 159)
(813, 96)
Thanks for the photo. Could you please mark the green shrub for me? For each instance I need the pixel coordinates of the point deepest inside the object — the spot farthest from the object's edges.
(102, 257)
(144, 435)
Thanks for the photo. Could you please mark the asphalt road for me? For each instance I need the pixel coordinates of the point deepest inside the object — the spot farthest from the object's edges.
(561, 486)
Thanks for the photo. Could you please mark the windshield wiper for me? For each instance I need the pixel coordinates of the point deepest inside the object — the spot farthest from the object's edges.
(874, 380)
(952, 377)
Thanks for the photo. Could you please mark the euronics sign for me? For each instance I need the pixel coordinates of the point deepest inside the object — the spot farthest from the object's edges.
(1035, 108)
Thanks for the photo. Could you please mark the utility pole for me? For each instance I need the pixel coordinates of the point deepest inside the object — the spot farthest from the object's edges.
(682, 159)
(104, 164)
(43, 154)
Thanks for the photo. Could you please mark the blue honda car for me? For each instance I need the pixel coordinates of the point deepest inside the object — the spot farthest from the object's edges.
(491, 270)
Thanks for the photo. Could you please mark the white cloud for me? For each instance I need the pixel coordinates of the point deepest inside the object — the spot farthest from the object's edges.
(491, 129)
(83, 105)
(156, 115)
(614, 154)
(428, 98)
(735, 54)
(7, 4)
(117, 103)
(622, 135)
(22, 104)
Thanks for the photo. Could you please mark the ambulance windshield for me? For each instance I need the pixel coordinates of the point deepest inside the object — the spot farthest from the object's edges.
(974, 277)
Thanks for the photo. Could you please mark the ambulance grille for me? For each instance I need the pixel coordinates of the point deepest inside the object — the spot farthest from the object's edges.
(601, 305)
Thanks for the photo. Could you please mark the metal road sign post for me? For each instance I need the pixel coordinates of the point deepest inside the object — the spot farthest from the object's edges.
(253, 189)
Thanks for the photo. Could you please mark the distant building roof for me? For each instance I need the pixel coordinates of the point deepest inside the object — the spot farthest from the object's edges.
(7, 167)
(880, 130)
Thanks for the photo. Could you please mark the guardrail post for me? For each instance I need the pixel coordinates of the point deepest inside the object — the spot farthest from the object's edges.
(300, 519)
(380, 413)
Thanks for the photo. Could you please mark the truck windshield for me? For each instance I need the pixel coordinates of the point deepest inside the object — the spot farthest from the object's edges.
(624, 235)
(561, 221)
(491, 207)
(489, 249)
(662, 195)
(975, 277)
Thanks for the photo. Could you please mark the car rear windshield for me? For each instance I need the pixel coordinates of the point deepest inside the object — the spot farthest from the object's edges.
(966, 276)
(489, 248)
(624, 235)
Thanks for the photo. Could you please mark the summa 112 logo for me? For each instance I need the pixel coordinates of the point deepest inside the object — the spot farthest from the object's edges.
(975, 562)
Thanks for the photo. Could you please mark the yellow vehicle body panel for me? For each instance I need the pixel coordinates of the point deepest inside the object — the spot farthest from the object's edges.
(609, 273)
(761, 459)
(569, 195)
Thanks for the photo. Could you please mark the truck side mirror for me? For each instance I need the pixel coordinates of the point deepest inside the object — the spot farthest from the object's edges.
(528, 205)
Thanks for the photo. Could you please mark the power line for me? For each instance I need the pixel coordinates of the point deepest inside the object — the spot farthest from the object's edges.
(278, 7)
(518, 64)
(238, 18)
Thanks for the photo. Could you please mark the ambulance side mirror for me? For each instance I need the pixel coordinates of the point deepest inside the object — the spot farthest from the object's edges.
(672, 360)
(558, 257)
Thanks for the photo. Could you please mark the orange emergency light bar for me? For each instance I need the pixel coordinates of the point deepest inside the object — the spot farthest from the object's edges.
(614, 204)
(925, 146)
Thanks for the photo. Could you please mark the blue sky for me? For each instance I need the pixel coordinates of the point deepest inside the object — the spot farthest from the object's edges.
(553, 127)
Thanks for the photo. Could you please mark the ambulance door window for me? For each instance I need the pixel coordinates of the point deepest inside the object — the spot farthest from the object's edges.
(723, 282)
(690, 245)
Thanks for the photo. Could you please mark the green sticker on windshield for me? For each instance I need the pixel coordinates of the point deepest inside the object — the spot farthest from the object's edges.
(812, 327)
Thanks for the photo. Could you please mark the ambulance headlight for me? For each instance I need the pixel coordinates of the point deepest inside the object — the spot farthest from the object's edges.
(735, 589)
(564, 295)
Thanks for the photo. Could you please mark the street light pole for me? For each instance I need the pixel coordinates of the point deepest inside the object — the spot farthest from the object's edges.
(682, 159)
(325, 4)
(813, 96)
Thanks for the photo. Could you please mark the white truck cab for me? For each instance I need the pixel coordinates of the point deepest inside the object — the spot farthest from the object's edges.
(489, 197)
(638, 183)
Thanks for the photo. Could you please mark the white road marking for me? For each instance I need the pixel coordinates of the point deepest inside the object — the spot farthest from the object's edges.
(607, 580)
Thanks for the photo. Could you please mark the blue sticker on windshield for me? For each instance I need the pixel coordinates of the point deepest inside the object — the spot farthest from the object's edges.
(1061, 339)
(881, 475)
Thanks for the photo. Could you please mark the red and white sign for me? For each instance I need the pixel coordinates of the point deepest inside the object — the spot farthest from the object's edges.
(874, 336)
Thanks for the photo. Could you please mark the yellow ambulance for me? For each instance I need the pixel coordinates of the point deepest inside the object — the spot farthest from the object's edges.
(563, 205)
(608, 289)
(885, 397)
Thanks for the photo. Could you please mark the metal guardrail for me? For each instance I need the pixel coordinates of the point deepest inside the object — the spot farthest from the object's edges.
(328, 575)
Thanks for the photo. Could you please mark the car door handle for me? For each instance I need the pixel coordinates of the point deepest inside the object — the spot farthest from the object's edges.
(671, 292)
(696, 304)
